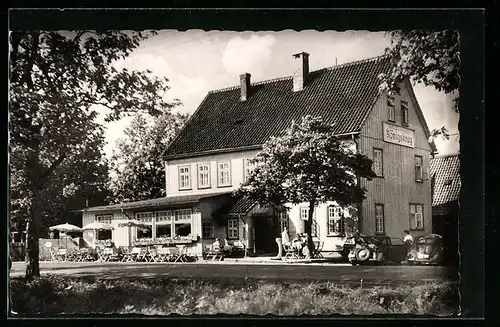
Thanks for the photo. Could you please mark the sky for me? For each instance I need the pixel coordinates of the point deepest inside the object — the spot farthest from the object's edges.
(197, 61)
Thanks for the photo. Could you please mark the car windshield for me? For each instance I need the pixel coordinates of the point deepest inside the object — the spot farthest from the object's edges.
(396, 241)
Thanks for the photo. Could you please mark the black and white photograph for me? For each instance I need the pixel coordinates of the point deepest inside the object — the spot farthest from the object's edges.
(204, 172)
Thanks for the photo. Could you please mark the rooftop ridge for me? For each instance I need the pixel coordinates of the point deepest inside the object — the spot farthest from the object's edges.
(277, 79)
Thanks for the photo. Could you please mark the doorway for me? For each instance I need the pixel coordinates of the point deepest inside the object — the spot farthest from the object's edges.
(265, 235)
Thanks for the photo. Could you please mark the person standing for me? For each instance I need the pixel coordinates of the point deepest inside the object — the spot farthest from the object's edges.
(408, 240)
(284, 237)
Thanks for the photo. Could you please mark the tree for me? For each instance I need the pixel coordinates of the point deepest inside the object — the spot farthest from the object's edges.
(429, 57)
(137, 163)
(57, 82)
(79, 180)
(308, 164)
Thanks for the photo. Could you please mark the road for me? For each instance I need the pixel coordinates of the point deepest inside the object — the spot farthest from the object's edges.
(326, 272)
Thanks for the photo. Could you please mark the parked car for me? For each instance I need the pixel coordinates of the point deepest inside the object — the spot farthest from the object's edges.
(377, 250)
(428, 250)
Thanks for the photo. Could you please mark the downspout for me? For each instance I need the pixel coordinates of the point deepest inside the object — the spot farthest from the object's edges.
(358, 181)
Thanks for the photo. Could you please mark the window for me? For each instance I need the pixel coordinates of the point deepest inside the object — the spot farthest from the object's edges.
(335, 225)
(203, 175)
(378, 165)
(391, 109)
(182, 222)
(184, 178)
(304, 213)
(416, 216)
(283, 219)
(104, 219)
(207, 229)
(145, 217)
(404, 113)
(249, 167)
(379, 219)
(224, 174)
(419, 172)
(163, 224)
(232, 228)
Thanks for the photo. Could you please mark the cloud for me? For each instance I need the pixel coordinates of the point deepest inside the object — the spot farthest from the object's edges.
(250, 55)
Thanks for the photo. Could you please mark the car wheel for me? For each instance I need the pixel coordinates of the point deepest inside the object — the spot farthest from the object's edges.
(363, 255)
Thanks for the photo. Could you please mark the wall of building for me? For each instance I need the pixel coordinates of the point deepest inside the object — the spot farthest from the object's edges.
(397, 188)
(237, 172)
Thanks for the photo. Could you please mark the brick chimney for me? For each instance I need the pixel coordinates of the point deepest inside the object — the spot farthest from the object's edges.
(244, 86)
(301, 71)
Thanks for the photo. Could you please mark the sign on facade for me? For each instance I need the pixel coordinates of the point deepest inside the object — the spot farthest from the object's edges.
(399, 135)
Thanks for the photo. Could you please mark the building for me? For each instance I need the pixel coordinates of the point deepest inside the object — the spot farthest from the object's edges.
(208, 160)
(445, 182)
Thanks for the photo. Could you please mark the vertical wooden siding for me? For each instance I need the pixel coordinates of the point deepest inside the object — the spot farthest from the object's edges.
(397, 189)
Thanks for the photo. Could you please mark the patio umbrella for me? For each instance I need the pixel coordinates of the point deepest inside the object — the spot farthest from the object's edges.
(66, 228)
(97, 226)
(134, 223)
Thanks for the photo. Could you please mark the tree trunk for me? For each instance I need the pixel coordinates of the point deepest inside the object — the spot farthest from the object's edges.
(32, 243)
(308, 230)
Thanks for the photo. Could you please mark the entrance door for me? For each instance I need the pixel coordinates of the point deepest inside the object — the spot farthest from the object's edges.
(265, 234)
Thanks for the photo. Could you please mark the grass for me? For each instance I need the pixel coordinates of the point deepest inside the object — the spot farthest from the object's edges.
(51, 295)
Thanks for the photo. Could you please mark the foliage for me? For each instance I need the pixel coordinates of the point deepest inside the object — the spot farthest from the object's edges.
(57, 82)
(429, 57)
(308, 164)
(137, 163)
(162, 296)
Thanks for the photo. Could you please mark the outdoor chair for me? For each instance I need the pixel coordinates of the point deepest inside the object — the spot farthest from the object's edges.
(317, 250)
(182, 253)
(53, 254)
(290, 251)
(162, 254)
(132, 255)
(214, 254)
(61, 255)
(153, 254)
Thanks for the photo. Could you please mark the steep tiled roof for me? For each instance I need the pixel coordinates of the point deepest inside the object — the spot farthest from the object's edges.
(445, 174)
(242, 206)
(165, 201)
(342, 94)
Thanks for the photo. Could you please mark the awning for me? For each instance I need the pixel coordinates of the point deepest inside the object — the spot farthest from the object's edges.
(165, 201)
(242, 206)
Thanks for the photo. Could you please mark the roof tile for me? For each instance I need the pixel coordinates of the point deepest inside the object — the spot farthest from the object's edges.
(342, 95)
(445, 172)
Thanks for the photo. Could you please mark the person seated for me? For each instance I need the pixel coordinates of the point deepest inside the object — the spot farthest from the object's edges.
(216, 246)
(227, 247)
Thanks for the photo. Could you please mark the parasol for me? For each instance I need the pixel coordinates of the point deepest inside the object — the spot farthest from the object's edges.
(97, 226)
(66, 228)
(134, 223)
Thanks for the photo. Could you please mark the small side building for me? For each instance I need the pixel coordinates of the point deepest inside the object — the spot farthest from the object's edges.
(445, 183)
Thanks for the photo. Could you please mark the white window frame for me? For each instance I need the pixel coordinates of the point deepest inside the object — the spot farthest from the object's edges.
(232, 228)
(249, 166)
(182, 216)
(380, 162)
(304, 213)
(227, 182)
(187, 174)
(284, 219)
(104, 219)
(204, 173)
(334, 215)
(148, 218)
(162, 218)
(379, 219)
(405, 119)
(416, 216)
(419, 177)
(391, 109)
